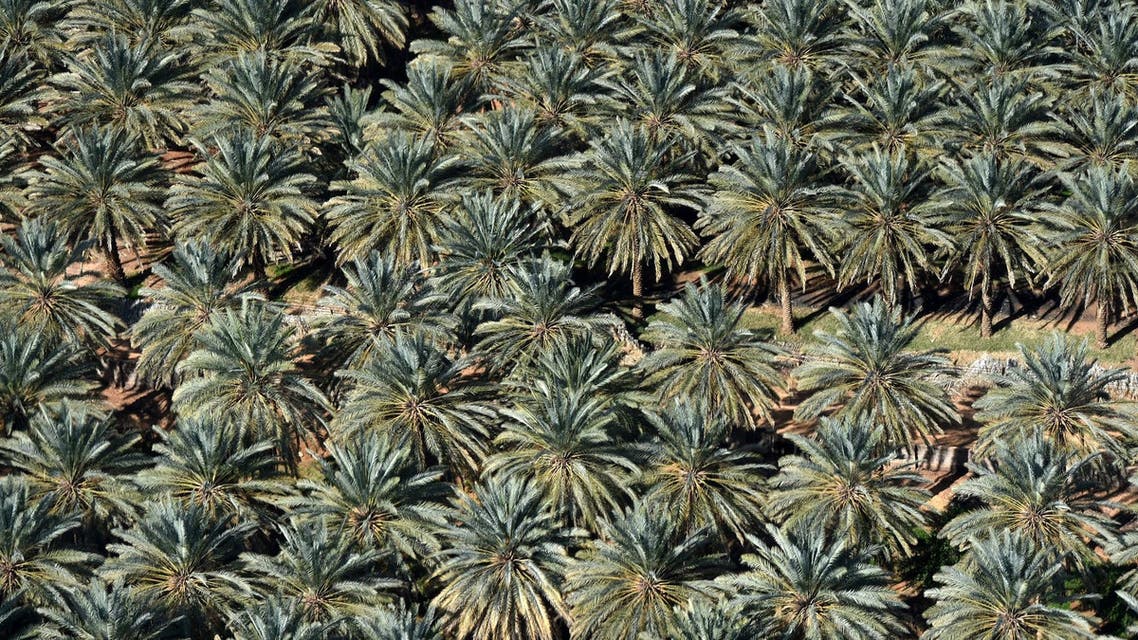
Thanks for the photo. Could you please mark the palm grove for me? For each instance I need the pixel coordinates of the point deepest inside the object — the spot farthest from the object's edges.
(462, 440)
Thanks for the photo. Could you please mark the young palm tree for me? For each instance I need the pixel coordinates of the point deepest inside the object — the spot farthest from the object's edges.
(248, 199)
(1057, 389)
(770, 214)
(842, 482)
(865, 372)
(244, 373)
(1003, 590)
(692, 475)
(183, 559)
(1039, 490)
(994, 225)
(894, 225)
(361, 28)
(275, 619)
(702, 351)
(630, 579)
(102, 189)
(39, 374)
(140, 89)
(209, 464)
(412, 392)
(501, 565)
(35, 563)
(803, 585)
(395, 203)
(323, 574)
(428, 105)
(98, 611)
(562, 443)
(370, 491)
(75, 460)
(381, 298)
(196, 283)
(625, 192)
(1095, 256)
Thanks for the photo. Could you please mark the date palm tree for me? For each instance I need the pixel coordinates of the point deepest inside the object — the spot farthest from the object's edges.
(98, 611)
(865, 372)
(275, 618)
(502, 564)
(591, 28)
(899, 33)
(361, 28)
(1008, 118)
(769, 215)
(842, 481)
(398, 623)
(897, 110)
(1003, 589)
(702, 351)
(102, 189)
(479, 39)
(21, 89)
(701, 621)
(795, 33)
(630, 579)
(1102, 130)
(803, 585)
(692, 474)
(141, 21)
(39, 374)
(790, 100)
(32, 27)
(285, 29)
(250, 199)
(557, 85)
(429, 105)
(699, 33)
(1103, 57)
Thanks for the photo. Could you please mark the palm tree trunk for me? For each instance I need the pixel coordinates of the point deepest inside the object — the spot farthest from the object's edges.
(787, 327)
(985, 312)
(114, 261)
(257, 264)
(637, 289)
(1102, 320)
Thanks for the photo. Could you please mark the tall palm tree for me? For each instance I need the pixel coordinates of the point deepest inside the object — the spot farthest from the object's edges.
(395, 203)
(98, 611)
(626, 190)
(244, 372)
(563, 443)
(102, 189)
(841, 481)
(1095, 256)
(897, 110)
(415, 394)
(1003, 589)
(804, 585)
(501, 565)
(429, 105)
(630, 579)
(702, 351)
(39, 374)
(994, 225)
(323, 574)
(197, 282)
(792, 101)
(864, 371)
(769, 215)
(250, 198)
(694, 476)
(1102, 131)
(361, 28)
(1057, 389)
(1009, 119)
(557, 85)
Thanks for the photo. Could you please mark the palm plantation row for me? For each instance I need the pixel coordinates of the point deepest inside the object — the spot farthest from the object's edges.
(464, 444)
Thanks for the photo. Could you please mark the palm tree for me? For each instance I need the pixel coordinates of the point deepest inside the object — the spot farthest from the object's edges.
(702, 351)
(1102, 131)
(899, 111)
(21, 89)
(34, 560)
(480, 39)
(31, 28)
(864, 371)
(348, 118)
(994, 225)
(12, 199)
(211, 465)
(415, 394)
(701, 621)
(1103, 55)
(795, 33)
(39, 374)
(563, 443)
(769, 215)
(625, 191)
(398, 623)
(899, 33)
(1001, 39)
(285, 29)
(395, 203)
(893, 223)
(139, 89)
(141, 21)
(244, 372)
(791, 101)
(37, 290)
(102, 189)
(699, 33)
(1003, 589)
(370, 491)
(183, 559)
(842, 482)
(381, 298)
(1039, 490)
(275, 619)
(1059, 390)
(590, 28)
(197, 283)
(629, 580)
(76, 461)
(501, 565)
(263, 96)
(248, 199)
(98, 611)
(1095, 256)
(1006, 118)
(692, 475)
(557, 85)
(361, 28)
(323, 574)
(804, 585)
(428, 105)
